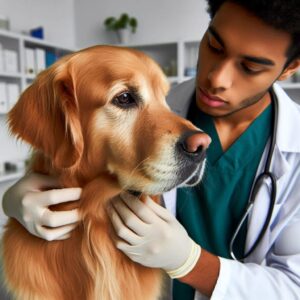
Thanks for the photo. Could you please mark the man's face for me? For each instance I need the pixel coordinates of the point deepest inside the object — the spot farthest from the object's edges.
(239, 59)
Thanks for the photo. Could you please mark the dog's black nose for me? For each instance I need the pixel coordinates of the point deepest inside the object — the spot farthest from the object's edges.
(193, 144)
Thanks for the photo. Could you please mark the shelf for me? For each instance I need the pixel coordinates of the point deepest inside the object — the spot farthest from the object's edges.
(30, 76)
(147, 45)
(185, 78)
(32, 40)
(39, 42)
(173, 79)
(10, 75)
(11, 176)
(9, 34)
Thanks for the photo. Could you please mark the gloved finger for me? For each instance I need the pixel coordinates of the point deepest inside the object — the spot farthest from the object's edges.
(139, 208)
(50, 234)
(129, 218)
(121, 230)
(59, 218)
(128, 249)
(57, 196)
(159, 210)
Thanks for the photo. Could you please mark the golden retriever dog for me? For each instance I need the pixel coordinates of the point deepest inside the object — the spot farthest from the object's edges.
(97, 119)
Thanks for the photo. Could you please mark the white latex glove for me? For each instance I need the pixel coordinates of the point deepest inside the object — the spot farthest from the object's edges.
(28, 201)
(150, 235)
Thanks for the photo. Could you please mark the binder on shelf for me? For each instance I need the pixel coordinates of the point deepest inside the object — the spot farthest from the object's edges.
(40, 60)
(13, 93)
(10, 59)
(51, 58)
(3, 98)
(29, 61)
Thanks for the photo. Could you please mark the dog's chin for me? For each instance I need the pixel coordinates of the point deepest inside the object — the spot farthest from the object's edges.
(185, 179)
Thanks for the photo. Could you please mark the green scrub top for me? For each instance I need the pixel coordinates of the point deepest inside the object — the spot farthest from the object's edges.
(211, 211)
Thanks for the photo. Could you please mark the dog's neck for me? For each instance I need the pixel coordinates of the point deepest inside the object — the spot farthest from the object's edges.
(96, 190)
(89, 202)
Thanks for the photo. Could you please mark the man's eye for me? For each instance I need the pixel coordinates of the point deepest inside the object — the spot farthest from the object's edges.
(250, 71)
(124, 100)
(215, 48)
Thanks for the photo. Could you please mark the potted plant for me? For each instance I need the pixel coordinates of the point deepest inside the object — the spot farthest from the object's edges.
(122, 26)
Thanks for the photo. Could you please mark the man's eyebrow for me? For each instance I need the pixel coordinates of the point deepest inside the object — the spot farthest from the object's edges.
(260, 60)
(215, 34)
(257, 60)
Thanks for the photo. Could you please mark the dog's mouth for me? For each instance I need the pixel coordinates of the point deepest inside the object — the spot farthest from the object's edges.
(182, 176)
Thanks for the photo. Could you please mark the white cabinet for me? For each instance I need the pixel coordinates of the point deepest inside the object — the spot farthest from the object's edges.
(13, 80)
(179, 60)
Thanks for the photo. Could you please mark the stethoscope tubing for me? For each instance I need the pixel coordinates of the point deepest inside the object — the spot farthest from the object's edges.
(259, 181)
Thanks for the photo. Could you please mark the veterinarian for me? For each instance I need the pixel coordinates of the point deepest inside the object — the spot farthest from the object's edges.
(219, 246)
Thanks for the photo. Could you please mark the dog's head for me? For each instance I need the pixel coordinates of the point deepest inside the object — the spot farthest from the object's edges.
(103, 109)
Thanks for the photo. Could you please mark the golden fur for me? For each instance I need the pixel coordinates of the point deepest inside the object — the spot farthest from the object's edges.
(79, 131)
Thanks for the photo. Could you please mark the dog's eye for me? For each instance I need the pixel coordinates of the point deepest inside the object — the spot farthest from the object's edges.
(124, 100)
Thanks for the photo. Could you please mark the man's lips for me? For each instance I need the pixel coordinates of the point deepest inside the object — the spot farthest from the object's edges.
(210, 100)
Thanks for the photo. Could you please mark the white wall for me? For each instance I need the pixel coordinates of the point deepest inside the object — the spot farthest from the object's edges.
(79, 23)
(159, 20)
(56, 16)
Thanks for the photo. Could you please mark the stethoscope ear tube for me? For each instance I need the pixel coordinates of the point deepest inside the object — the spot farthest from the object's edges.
(266, 174)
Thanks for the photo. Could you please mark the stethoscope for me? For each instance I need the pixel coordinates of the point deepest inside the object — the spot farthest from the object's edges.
(259, 181)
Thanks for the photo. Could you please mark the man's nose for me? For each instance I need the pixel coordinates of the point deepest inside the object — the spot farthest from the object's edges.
(221, 76)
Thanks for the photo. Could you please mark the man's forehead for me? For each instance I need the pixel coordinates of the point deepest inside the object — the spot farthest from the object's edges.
(239, 29)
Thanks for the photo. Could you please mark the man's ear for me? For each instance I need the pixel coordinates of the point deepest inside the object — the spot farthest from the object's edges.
(47, 116)
(290, 69)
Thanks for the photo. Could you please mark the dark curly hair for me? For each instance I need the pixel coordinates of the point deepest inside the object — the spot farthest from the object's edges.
(280, 14)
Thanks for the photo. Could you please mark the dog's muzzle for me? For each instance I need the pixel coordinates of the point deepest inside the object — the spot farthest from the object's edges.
(191, 153)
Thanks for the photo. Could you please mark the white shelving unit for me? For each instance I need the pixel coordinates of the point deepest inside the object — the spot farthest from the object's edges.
(178, 59)
(18, 42)
(11, 150)
(175, 58)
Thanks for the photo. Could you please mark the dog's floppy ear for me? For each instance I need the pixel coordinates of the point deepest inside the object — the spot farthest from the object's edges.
(47, 116)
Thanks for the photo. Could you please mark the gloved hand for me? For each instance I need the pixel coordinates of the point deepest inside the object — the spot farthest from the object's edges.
(150, 235)
(26, 202)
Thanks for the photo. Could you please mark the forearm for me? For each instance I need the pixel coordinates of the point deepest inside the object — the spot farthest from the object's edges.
(205, 274)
